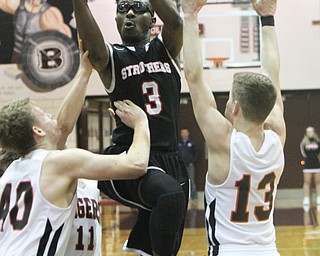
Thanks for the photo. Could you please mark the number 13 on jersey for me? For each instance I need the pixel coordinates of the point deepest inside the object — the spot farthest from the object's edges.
(241, 213)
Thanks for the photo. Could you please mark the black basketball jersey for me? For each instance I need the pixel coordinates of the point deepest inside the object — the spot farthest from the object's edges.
(312, 151)
(150, 78)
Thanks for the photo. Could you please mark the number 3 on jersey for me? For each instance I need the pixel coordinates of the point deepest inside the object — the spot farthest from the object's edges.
(154, 106)
(241, 213)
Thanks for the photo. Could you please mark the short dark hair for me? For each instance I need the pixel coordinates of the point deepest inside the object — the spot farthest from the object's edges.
(255, 94)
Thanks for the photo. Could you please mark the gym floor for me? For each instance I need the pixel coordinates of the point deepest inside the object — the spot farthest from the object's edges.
(297, 229)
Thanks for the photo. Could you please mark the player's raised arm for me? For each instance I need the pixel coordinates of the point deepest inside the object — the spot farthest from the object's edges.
(211, 122)
(270, 62)
(72, 104)
(91, 35)
(172, 25)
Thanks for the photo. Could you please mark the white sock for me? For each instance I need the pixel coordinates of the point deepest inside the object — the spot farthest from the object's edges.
(306, 200)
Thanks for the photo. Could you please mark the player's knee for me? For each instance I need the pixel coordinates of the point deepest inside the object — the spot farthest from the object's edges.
(171, 209)
(307, 183)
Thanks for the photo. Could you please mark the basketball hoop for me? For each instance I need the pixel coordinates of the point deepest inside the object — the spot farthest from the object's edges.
(217, 61)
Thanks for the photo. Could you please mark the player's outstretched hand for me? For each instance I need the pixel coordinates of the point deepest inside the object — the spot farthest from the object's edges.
(85, 63)
(265, 7)
(129, 113)
(192, 6)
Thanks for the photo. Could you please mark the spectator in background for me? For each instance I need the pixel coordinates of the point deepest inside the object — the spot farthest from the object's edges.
(189, 152)
(310, 150)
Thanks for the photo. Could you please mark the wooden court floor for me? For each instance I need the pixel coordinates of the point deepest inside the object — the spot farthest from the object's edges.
(297, 229)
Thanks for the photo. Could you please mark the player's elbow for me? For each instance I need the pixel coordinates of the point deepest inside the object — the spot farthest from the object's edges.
(174, 25)
(138, 168)
(178, 23)
(139, 171)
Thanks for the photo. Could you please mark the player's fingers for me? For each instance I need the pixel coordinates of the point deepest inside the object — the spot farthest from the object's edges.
(129, 102)
(120, 105)
(80, 46)
(111, 112)
(86, 54)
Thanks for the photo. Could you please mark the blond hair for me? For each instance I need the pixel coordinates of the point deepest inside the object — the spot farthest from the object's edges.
(16, 122)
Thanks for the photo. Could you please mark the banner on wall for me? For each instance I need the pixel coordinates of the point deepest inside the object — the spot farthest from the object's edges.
(38, 45)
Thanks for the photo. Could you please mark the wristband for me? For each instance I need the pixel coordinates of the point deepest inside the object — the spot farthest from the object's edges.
(267, 21)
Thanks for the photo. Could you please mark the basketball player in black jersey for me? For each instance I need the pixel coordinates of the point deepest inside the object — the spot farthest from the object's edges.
(146, 72)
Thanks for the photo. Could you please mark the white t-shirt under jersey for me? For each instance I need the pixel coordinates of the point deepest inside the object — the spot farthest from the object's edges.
(29, 224)
(239, 212)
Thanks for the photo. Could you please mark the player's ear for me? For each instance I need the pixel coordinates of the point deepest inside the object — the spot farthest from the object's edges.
(153, 22)
(38, 131)
(235, 107)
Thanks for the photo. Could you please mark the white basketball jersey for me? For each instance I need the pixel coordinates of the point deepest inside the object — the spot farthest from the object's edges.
(86, 232)
(29, 224)
(239, 212)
